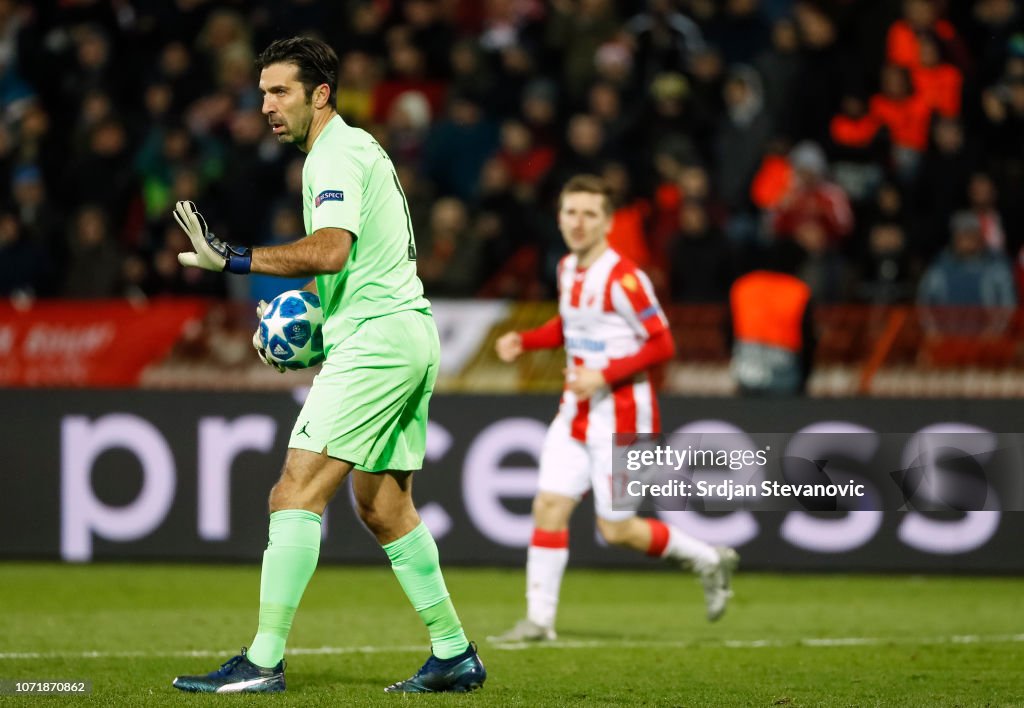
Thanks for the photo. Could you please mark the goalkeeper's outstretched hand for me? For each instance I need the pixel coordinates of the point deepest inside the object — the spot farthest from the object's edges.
(210, 252)
(260, 351)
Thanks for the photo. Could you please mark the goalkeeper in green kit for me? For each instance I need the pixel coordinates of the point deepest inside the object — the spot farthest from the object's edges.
(366, 413)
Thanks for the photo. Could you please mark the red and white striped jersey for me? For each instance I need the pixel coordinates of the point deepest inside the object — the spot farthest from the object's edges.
(608, 310)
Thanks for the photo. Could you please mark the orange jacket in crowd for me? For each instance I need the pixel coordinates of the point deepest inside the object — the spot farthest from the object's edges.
(772, 182)
(940, 87)
(901, 45)
(908, 119)
(854, 132)
(628, 233)
(769, 308)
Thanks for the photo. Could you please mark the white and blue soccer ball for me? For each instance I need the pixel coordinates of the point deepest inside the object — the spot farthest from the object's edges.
(291, 330)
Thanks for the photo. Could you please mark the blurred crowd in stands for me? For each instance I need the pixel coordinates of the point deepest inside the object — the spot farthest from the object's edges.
(885, 138)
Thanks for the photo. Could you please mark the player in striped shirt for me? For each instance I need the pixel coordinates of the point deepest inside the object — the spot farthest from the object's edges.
(614, 332)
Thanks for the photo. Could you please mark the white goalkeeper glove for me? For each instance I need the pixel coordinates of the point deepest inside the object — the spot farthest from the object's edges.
(260, 351)
(210, 252)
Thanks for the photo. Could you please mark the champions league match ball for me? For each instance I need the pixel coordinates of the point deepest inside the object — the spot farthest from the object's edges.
(291, 330)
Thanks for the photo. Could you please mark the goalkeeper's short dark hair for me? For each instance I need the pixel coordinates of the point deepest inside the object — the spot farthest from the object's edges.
(316, 61)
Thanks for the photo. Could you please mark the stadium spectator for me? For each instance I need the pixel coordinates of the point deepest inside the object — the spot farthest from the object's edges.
(774, 177)
(539, 110)
(471, 75)
(811, 197)
(429, 32)
(1003, 127)
(418, 195)
(771, 326)
(988, 31)
(458, 146)
(695, 184)
(225, 44)
(24, 265)
(939, 83)
(605, 104)
(407, 71)
(165, 276)
(177, 67)
(779, 67)
(740, 30)
(94, 69)
(982, 199)
(94, 263)
(628, 233)
(701, 259)
(503, 226)
(704, 100)
(614, 65)
(941, 185)
(887, 206)
(822, 79)
(574, 30)
(967, 272)
(584, 152)
(741, 139)
(907, 116)
(527, 163)
(920, 18)
(359, 76)
(663, 40)
(448, 254)
(516, 68)
(667, 164)
(165, 149)
(824, 269)
(41, 219)
(502, 25)
(886, 275)
(407, 128)
(101, 174)
(670, 115)
(858, 145)
(36, 143)
(250, 179)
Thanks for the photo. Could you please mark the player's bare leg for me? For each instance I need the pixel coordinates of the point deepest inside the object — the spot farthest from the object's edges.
(384, 502)
(714, 564)
(545, 566)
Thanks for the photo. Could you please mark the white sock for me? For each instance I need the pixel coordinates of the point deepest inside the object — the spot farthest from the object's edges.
(544, 570)
(670, 543)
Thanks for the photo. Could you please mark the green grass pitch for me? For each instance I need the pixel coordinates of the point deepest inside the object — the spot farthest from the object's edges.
(627, 638)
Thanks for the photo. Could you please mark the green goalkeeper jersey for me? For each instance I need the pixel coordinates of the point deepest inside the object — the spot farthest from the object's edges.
(349, 182)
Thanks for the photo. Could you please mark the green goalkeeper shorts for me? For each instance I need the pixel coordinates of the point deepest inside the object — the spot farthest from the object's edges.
(368, 405)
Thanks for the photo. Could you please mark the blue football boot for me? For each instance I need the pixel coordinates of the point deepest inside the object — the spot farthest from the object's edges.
(459, 674)
(236, 675)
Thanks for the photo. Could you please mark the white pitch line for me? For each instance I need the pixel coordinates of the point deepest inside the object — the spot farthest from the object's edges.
(199, 653)
(810, 642)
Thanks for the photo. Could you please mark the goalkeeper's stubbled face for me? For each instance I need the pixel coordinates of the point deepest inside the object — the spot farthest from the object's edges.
(288, 109)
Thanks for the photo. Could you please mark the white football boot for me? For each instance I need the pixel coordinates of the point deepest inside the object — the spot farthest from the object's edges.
(525, 630)
(717, 581)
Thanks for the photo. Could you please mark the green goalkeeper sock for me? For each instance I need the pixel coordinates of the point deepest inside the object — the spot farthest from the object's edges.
(288, 564)
(415, 562)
